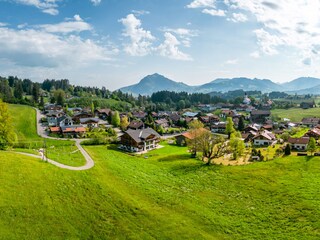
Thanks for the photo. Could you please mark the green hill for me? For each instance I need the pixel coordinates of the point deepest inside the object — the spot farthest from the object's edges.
(164, 195)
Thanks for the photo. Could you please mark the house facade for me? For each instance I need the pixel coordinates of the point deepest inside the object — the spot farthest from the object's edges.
(139, 140)
(264, 138)
(300, 144)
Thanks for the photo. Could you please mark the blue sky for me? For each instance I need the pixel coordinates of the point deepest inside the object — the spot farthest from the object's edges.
(114, 43)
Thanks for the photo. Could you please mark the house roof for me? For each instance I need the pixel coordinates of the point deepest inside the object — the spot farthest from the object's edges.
(135, 124)
(302, 140)
(104, 110)
(266, 135)
(312, 120)
(74, 128)
(190, 114)
(89, 120)
(54, 129)
(161, 121)
(189, 134)
(140, 135)
(260, 112)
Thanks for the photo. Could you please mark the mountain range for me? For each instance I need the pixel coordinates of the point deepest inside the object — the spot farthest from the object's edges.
(156, 82)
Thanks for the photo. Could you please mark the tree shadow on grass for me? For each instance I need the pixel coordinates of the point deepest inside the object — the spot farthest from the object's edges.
(309, 158)
(176, 157)
(194, 167)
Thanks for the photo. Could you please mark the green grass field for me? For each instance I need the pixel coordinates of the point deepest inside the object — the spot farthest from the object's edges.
(24, 123)
(162, 195)
(296, 114)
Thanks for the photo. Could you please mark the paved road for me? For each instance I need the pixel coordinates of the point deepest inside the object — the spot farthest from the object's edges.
(41, 132)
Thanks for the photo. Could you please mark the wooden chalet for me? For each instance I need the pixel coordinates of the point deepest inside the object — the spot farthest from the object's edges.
(300, 144)
(260, 116)
(139, 140)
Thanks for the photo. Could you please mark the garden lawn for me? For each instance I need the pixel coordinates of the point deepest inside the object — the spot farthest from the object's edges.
(24, 123)
(296, 114)
(163, 194)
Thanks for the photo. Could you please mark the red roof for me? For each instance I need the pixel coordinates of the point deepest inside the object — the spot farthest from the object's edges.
(54, 129)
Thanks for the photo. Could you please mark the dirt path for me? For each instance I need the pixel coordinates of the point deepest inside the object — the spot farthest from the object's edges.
(42, 133)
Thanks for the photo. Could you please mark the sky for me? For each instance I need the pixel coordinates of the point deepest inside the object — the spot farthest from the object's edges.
(115, 43)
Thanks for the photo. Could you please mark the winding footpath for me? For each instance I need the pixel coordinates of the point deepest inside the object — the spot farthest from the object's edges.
(42, 133)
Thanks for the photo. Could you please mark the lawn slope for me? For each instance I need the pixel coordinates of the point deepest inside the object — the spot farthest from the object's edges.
(162, 195)
(24, 123)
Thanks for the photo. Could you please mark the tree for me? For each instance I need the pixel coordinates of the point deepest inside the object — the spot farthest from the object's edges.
(36, 92)
(59, 96)
(312, 146)
(7, 135)
(229, 127)
(212, 146)
(237, 145)
(241, 125)
(196, 129)
(18, 90)
(124, 123)
(287, 150)
(115, 119)
(92, 108)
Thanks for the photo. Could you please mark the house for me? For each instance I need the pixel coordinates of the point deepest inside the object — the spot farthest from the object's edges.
(139, 140)
(65, 121)
(103, 113)
(90, 122)
(182, 139)
(219, 127)
(314, 132)
(135, 124)
(311, 122)
(52, 107)
(76, 117)
(306, 105)
(264, 138)
(300, 144)
(259, 116)
(73, 131)
(139, 115)
(164, 123)
(209, 119)
(191, 114)
(174, 117)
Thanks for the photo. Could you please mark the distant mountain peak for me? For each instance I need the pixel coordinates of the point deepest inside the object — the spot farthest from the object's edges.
(157, 82)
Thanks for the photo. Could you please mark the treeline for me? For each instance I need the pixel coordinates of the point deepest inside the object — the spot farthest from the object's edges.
(180, 100)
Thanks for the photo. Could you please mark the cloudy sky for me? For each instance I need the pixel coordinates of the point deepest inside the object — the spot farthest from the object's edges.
(114, 43)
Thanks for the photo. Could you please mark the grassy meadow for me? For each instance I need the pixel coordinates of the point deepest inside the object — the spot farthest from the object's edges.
(24, 123)
(296, 114)
(162, 195)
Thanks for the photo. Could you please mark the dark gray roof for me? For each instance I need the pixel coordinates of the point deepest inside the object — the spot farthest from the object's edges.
(141, 134)
(86, 120)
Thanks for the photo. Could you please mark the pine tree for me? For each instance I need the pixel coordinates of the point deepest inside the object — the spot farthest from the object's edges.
(312, 146)
(287, 150)
(115, 120)
(241, 125)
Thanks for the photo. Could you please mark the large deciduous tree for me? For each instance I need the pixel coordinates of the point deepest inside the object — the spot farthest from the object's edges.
(7, 135)
(195, 132)
(312, 146)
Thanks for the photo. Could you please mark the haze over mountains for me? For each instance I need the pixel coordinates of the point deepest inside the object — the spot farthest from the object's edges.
(156, 82)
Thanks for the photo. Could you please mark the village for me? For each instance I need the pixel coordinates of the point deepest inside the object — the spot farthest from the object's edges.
(140, 131)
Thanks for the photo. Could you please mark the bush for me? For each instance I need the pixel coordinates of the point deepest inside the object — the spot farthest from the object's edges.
(287, 150)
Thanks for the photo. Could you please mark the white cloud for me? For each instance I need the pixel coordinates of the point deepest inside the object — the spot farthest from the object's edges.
(46, 6)
(38, 48)
(214, 12)
(255, 54)
(76, 25)
(169, 48)
(285, 24)
(140, 12)
(184, 34)
(238, 17)
(140, 39)
(3, 24)
(232, 61)
(202, 4)
(95, 2)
